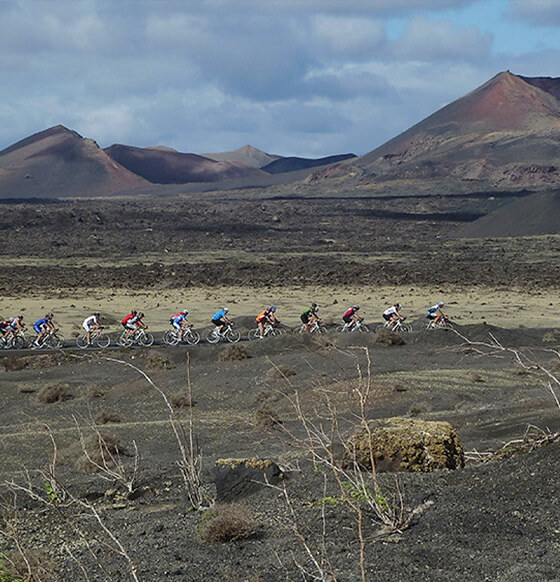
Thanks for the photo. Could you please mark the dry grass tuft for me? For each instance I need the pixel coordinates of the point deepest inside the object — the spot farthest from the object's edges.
(102, 449)
(234, 353)
(266, 418)
(108, 417)
(53, 393)
(28, 566)
(181, 400)
(228, 523)
(389, 338)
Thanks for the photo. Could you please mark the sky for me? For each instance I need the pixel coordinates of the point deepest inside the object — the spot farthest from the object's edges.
(304, 78)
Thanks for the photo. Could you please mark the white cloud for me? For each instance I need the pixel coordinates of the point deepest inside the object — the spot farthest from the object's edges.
(343, 38)
(425, 39)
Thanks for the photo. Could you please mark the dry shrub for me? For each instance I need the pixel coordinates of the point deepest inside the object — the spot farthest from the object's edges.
(97, 392)
(325, 341)
(108, 417)
(28, 566)
(265, 417)
(280, 372)
(160, 362)
(15, 363)
(180, 400)
(389, 338)
(53, 393)
(228, 523)
(100, 448)
(234, 353)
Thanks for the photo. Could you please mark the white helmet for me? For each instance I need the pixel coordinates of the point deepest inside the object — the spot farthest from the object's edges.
(441, 304)
(185, 311)
(226, 309)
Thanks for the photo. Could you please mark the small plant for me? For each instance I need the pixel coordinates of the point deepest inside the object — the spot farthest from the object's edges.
(52, 393)
(227, 523)
(234, 353)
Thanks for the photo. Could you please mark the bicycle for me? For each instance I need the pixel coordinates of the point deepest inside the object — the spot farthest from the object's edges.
(53, 339)
(229, 334)
(172, 337)
(97, 338)
(398, 327)
(443, 323)
(314, 327)
(268, 331)
(139, 337)
(357, 325)
(14, 341)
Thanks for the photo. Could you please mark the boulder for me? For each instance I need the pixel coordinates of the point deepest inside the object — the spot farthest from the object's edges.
(237, 478)
(405, 444)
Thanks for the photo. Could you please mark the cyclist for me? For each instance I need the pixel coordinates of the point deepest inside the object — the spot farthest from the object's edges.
(220, 320)
(266, 316)
(436, 315)
(351, 316)
(180, 322)
(14, 325)
(392, 315)
(125, 322)
(310, 316)
(43, 327)
(89, 324)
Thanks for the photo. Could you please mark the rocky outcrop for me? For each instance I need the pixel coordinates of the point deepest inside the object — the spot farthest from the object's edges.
(404, 444)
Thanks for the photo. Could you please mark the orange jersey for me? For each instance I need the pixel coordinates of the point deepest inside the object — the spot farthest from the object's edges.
(262, 316)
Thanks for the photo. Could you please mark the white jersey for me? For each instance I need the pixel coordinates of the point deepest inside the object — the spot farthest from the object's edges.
(89, 322)
(391, 311)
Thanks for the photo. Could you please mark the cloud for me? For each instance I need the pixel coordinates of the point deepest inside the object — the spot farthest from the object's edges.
(539, 12)
(425, 39)
(343, 38)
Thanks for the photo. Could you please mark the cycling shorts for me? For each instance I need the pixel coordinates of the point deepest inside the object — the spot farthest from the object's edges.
(304, 317)
(347, 318)
(218, 322)
(39, 328)
(130, 325)
(387, 316)
(176, 324)
(87, 326)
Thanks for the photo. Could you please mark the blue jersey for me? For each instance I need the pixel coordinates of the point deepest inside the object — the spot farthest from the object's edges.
(219, 315)
(40, 322)
(179, 318)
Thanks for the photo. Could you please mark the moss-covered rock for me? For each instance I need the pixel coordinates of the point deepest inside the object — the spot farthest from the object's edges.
(406, 444)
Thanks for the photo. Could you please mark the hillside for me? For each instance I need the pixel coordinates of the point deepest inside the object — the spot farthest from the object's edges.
(166, 166)
(293, 164)
(59, 162)
(248, 155)
(504, 134)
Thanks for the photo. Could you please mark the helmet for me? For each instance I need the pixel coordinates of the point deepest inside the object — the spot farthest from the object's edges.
(272, 308)
(398, 305)
(49, 316)
(226, 309)
(97, 314)
(140, 314)
(314, 305)
(355, 307)
(185, 311)
(134, 312)
(441, 304)
(20, 316)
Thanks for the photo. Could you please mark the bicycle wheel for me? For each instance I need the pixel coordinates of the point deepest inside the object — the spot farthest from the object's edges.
(81, 342)
(192, 337)
(103, 341)
(233, 335)
(170, 337)
(340, 328)
(253, 334)
(212, 337)
(18, 342)
(56, 341)
(125, 341)
(146, 340)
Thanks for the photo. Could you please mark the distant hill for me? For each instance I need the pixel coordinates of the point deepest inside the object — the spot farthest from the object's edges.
(532, 215)
(59, 162)
(293, 164)
(247, 155)
(166, 166)
(505, 133)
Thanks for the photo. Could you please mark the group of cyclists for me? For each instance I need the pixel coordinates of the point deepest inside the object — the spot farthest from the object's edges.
(134, 321)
